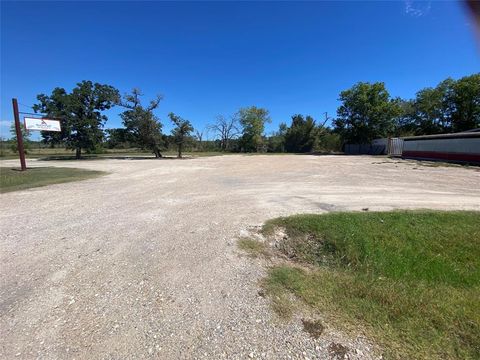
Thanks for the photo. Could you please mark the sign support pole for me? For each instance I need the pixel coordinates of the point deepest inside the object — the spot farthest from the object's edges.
(18, 129)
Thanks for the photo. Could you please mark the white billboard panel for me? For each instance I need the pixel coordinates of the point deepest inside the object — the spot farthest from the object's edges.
(42, 124)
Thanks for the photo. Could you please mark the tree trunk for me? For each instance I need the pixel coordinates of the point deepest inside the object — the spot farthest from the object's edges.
(78, 153)
(180, 151)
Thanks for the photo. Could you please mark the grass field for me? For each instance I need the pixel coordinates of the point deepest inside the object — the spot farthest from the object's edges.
(409, 279)
(12, 179)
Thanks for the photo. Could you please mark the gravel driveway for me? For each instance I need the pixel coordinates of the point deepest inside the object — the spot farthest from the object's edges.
(143, 262)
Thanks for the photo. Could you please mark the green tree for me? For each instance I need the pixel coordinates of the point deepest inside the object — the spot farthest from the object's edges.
(329, 141)
(451, 106)
(276, 141)
(25, 137)
(430, 109)
(181, 132)
(56, 105)
(302, 135)
(118, 137)
(463, 99)
(367, 112)
(252, 120)
(142, 126)
(80, 112)
(404, 125)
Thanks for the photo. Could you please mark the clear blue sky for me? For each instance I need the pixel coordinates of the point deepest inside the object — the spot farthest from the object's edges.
(213, 58)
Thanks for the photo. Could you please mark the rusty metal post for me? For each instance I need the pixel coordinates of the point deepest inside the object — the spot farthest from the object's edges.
(18, 129)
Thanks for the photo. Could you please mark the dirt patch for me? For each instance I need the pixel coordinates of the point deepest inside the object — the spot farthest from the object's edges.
(338, 351)
(314, 327)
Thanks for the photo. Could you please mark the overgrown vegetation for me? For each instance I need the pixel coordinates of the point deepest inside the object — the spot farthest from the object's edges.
(409, 279)
(12, 179)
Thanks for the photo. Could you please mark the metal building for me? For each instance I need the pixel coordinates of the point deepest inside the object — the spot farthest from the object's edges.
(461, 147)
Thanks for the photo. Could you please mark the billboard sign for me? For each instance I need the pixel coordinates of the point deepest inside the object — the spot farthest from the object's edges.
(42, 124)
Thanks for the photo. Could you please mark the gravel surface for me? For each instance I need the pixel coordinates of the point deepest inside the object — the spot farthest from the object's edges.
(143, 263)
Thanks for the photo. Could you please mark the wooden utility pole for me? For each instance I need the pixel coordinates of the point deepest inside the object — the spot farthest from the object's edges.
(18, 129)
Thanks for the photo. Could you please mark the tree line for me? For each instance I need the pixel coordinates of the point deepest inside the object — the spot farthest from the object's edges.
(82, 119)
(367, 111)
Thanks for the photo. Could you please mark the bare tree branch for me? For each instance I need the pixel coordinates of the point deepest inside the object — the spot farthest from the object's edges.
(131, 100)
(322, 129)
(225, 129)
(154, 103)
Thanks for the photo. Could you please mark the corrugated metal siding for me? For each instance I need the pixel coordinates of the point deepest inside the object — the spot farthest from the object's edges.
(364, 149)
(395, 146)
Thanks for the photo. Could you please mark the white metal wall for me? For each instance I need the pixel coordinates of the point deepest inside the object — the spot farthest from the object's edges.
(454, 145)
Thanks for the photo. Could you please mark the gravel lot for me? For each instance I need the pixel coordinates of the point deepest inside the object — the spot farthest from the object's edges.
(143, 263)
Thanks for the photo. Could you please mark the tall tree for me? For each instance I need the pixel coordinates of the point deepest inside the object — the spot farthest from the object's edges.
(451, 106)
(431, 109)
(143, 127)
(80, 112)
(252, 120)
(225, 129)
(404, 125)
(181, 132)
(302, 135)
(464, 103)
(367, 112)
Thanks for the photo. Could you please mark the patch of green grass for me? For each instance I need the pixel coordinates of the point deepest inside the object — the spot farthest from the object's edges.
(12, 179)
(280, 297)
(411, 279)
(253, 247)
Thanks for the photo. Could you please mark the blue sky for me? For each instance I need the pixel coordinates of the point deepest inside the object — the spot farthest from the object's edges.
(213, 58)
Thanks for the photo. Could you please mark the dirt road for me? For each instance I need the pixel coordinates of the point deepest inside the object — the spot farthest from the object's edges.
(143, 263)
